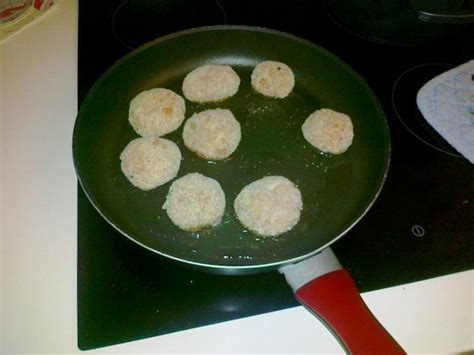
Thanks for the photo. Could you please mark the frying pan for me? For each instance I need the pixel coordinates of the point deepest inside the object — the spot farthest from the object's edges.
(337, 190)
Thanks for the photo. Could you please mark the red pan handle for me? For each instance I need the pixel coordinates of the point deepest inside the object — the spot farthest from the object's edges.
(334, 298)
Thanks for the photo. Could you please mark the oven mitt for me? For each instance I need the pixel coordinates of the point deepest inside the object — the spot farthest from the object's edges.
(447, 103)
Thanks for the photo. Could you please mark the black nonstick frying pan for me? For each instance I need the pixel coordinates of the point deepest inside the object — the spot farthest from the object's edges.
(337, 190)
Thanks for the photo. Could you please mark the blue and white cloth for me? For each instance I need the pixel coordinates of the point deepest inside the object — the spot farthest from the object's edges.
(447, 103)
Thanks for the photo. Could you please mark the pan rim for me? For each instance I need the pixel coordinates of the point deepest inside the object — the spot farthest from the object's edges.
(271, 265)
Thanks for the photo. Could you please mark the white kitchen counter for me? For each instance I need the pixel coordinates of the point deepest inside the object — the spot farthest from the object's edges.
(38, 249)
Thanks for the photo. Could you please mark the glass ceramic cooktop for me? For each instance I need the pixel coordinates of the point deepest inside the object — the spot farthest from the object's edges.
(420, 226)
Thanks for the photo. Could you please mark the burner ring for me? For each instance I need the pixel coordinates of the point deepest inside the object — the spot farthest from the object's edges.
(113, 25)
(216, 10)
(410, 81)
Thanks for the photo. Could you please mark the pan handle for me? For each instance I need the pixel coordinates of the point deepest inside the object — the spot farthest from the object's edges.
(335, 299)
(320, 284)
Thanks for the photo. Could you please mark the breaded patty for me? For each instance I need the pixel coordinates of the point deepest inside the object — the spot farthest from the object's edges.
(329, 131)
(156, 112)
(150, 162)
(194, 202)
(211, 83)
(212, 134)
(269, 206)
(273, 79)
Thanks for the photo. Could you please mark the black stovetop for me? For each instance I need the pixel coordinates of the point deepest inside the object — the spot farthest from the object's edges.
(420, 226)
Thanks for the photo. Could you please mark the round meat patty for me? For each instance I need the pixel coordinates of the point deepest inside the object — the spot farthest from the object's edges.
(273, 79)
(212, 134)
(269, 206)
(211, 83)
(329, 131)
(194, 202)
(150, 162)
(156, 112)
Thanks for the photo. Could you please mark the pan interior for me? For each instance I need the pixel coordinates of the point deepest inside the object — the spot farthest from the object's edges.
(336, 190)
